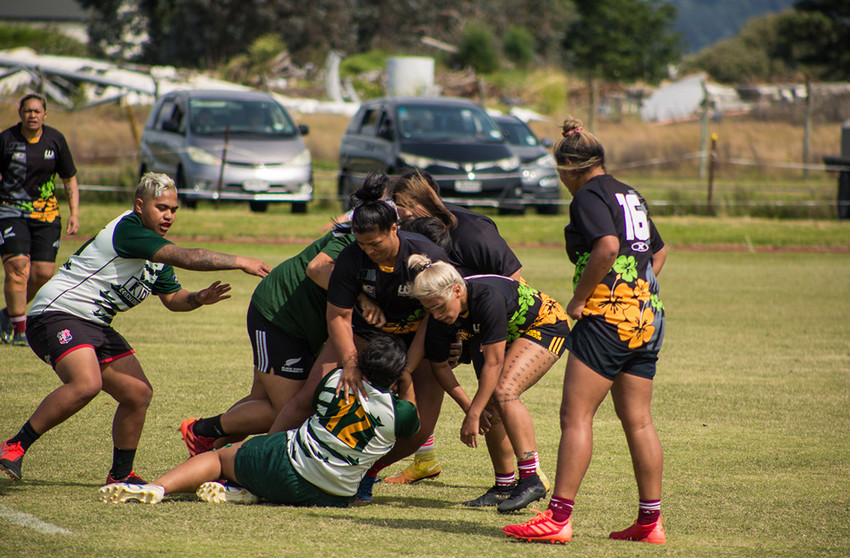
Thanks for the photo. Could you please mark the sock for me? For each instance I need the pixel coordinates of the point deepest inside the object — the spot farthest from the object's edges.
(430, 455)
(26, 436)
(506, 479)
(19, 323)
(209, 427)
(528, 467)
(377, 468)
(561, 508)
(425, 448)
(122, 463)
(648, 511)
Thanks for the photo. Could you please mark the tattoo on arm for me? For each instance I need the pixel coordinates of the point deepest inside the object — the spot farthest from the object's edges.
(196, 259)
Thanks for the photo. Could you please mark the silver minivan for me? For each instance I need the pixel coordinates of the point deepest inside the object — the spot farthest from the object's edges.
(228, 145)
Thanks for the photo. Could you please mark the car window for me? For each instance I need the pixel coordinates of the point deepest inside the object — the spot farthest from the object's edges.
(165, 112)
(446, 123)
(259, 118)
(369, 124)
(518, 134)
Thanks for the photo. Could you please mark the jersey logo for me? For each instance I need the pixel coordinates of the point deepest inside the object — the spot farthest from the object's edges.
(19, 157)
(49, 155)
(404, 290)
(64, 337)
(133, 292)
(640, 247)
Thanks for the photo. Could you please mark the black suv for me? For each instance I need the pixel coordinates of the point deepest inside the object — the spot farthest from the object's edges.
(454, 140)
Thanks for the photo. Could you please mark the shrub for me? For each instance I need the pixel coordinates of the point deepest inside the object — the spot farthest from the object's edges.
(518, 45)
(477, 49)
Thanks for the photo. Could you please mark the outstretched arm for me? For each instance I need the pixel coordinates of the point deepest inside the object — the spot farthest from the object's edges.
(201, 259)
(72, 192)
(185, 301)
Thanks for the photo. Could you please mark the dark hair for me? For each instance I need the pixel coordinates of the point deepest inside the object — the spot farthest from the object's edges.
(431, 228)
(371, 211)
(383, 360)
(412, 189)
(410, 172)
(35, 96)
(578, 150)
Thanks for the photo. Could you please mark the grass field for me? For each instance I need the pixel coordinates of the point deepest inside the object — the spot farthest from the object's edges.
(751, 404)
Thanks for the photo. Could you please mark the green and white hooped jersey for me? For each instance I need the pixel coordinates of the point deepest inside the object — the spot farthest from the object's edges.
(110, 273)
(335, 447)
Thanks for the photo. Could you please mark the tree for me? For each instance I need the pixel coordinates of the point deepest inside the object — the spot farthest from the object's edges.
(816, 36)
(622, 40)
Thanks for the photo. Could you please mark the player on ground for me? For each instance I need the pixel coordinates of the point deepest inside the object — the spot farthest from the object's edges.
(318, 464)
(70, 320)
(614, 345)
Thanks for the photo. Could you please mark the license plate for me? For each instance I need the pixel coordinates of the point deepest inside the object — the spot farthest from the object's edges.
(256, 185)
(467, 186)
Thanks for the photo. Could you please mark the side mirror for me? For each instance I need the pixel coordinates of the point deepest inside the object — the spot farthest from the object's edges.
(547, 142)
(303, 129)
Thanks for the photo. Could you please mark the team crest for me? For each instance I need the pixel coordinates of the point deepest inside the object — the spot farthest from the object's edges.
(49, 155)
(64, 337)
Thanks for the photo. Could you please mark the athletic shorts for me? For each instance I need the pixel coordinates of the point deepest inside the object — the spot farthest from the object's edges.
(262, 466)
(549, 336)
(55, 334)
(37, 239)
(607, 357)
(276, 352)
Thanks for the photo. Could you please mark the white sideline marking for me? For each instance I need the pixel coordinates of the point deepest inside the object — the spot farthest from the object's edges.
(31, 521)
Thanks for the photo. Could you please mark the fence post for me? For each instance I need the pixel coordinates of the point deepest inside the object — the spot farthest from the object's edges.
(712, 159)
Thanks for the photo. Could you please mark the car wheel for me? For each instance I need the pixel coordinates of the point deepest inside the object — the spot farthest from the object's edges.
(185, 201)
(258, 206)
(299, 207)
(344, 192)
(512, 210)
(547, 209)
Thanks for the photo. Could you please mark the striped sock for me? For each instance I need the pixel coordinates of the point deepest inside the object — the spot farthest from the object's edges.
(508, 479)
(648, 511)
(426, 450)
(562, 508)
(528, 467)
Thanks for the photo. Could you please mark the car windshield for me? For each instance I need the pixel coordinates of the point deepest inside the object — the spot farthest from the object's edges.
(518, 133)
(447, 123)
(212, 117)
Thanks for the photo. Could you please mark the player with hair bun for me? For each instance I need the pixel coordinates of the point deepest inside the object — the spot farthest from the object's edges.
(614, 344)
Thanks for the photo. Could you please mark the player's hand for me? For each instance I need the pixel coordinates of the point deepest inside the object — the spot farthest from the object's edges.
(350, 383)
(73, 224)
(469, 429)
(214, 293)
(254, 266)
(371, 312)
(575, 308)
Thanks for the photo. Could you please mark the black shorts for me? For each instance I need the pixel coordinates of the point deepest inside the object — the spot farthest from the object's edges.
(55, 334)
(28, 237)
(607, 357)
(277, 352)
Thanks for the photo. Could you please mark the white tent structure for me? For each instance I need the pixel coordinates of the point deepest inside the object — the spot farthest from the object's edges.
(683, 100)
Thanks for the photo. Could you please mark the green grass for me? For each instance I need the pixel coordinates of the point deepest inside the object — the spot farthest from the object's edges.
(235, 221)
(751, 403)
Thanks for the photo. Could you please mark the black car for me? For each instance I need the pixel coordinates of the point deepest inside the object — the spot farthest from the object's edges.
(538, 169)
(454, 140)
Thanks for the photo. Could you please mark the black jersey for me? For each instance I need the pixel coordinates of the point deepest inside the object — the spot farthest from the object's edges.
(499, 309)
(354, 273)
(477, 246)
(29, 172)
(625, 305)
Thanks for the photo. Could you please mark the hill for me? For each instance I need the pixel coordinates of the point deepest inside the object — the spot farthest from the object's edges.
(703, 23)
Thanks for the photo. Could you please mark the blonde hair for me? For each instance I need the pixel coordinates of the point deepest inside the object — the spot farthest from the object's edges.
(578, 150)
(153, 184)
(433, 279)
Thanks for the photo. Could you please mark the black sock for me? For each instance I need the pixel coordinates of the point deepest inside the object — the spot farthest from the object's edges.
(209, 427)
(26, 436)
(122, 463)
